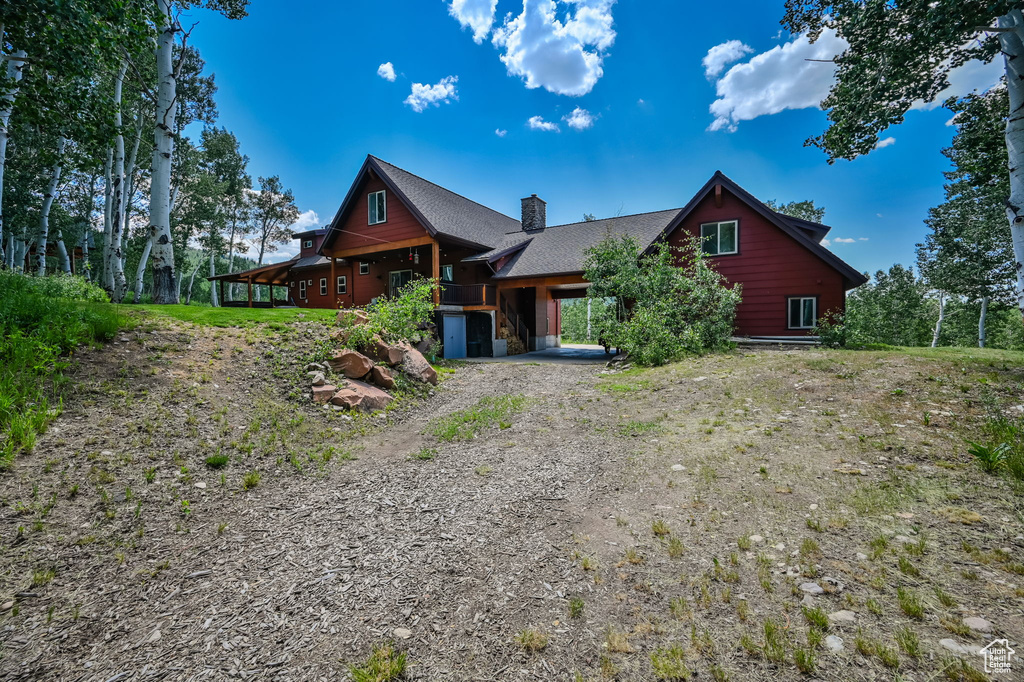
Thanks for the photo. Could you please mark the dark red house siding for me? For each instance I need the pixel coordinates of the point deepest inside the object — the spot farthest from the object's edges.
(771, 266)
(401, 224)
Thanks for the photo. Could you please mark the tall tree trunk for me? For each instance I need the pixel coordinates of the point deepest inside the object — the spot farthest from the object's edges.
(191, 280)
(14, 70)
(107, 279)
(44, 211)
(938, 324)
(165, 284)
(86, 270)
(213, 289)
(1012, 43)
(113, 263)
(140, 272)
(63, 262)
(981, 322)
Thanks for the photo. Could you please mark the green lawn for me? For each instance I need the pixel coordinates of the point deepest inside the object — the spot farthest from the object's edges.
(231, 317)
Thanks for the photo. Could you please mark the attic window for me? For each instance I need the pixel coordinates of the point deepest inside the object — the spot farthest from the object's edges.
(720, 239)
(308, 244)
(378, 209)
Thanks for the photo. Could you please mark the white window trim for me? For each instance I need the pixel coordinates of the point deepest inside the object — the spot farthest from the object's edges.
(308, 244)
(396, 272)
(323, 286)
(302, 289)
(718, 237)
(789, 302)
(364, 268)
(371, 198)
(342, 284)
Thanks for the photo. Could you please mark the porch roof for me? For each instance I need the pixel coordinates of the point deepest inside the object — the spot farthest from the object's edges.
(275, 273)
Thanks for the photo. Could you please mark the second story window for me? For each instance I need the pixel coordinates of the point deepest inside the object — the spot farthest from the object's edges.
(308, 244)
(720, 239)
(378, 211)
(447, 273)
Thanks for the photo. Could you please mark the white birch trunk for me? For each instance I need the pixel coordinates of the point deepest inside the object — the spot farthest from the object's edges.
(107, 280)
(191, 281)
(213, 289)
(981, 322)
(140, 272)
(113, 262)
(938, 324)
(165, 280)
(86, 270)
(14, 71)
(1012, 43)
(44, 211)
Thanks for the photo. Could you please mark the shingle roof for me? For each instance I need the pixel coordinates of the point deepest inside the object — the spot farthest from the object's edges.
(561, 249)
(311, 261)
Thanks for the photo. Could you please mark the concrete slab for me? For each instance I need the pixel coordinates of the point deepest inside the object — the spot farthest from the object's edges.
(568, 354)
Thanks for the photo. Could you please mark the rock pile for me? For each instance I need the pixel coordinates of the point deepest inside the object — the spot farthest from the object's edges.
(361, 379)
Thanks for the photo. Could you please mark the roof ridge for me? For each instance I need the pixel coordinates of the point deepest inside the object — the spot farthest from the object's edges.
(616, 217)
(420, 177)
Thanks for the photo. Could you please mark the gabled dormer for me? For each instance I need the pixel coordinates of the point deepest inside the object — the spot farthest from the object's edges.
(309, 241)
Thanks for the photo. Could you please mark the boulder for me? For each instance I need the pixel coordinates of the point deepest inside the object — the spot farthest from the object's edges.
(416, 366)
(323, 393)
(359, 396)
(351, 364)
(383, 352)
(352, 317)
(318, 378)
(382, 377)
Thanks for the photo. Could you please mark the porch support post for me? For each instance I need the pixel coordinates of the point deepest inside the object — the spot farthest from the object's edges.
(220, 286)
(435, 255)
(333, 284)
(249, 281)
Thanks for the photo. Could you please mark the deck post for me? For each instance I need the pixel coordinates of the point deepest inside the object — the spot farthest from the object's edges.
(333, 283)
(249, 281)
(435, 255)
(220, 282)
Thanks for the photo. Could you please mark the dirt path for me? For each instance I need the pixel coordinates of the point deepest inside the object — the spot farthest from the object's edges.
(765, 472)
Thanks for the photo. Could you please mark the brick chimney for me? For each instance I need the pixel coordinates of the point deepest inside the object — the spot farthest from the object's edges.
(535, 214)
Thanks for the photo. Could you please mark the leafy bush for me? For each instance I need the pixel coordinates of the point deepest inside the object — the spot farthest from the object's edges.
(41, 321)
(666, 303)
(831, 330)
(400, 318)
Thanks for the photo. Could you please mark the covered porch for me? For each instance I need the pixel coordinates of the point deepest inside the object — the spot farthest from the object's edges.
(274, 275)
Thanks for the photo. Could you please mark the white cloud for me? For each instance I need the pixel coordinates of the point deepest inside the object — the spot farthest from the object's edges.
(862, 239)
(826, 243)
(477, 15)
(641, 102)
(579, 119)
(387, 71)
(422, 96)
(843, 240)
(500, 133)
(887, 142)
(720, 55)
(776, 80)
(783, 78)
(562, 55)
(538, 123)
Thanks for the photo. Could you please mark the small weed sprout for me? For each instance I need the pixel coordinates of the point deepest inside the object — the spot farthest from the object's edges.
(531, 640)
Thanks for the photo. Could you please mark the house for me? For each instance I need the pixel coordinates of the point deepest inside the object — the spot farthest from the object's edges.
(502, 277)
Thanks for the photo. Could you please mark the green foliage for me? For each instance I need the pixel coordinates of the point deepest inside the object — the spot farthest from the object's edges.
(831, 329)
(235, 317)
(667, 303)
(42, 320)
(398, 318)
(384, 664)
(890, 309)
(804, 210)
(574, 319)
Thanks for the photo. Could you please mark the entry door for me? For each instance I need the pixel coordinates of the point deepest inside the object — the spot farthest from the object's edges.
(454, 336)
(398, 279)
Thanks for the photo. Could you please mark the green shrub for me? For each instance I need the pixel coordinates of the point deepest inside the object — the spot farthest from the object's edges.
(831, 329)
(398, 318)
(42, 320)
(668, 303)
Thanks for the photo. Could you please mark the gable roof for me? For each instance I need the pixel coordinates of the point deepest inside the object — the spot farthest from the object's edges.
(561, 249)
(794, 227)
(439, 210)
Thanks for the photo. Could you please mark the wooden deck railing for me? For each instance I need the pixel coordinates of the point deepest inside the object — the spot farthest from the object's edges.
(468, 294)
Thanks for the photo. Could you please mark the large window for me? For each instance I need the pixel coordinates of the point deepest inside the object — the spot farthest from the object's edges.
(342, 284)
(803, 312)
(302, 289)
(447, 273)
(323, 286)
(398, 279)
(719, 239)
(378, 210)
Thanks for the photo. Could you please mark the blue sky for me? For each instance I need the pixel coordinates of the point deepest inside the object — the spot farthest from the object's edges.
(299, 85)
